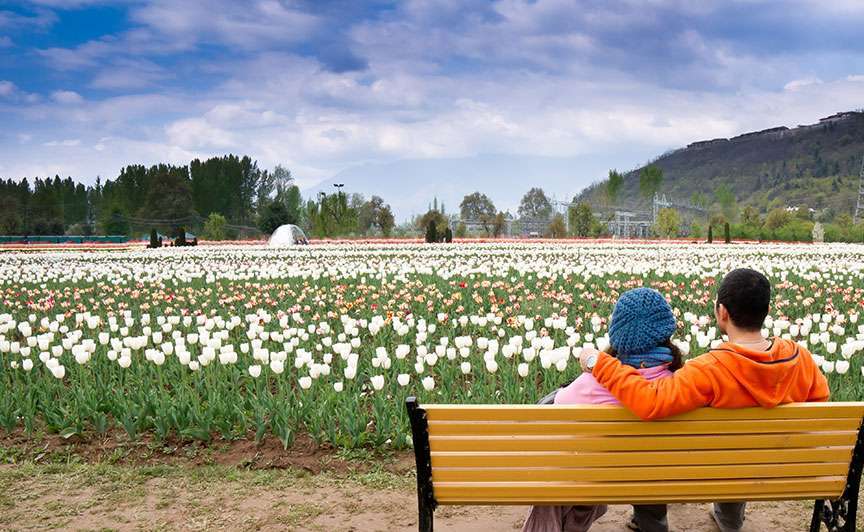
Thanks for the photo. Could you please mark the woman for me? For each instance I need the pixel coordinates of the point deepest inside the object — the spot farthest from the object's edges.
(640, 336)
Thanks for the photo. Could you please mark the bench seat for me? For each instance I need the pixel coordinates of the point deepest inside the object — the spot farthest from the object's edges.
(593, 454)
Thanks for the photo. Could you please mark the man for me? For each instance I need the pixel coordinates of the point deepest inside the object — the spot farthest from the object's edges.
(746, 371)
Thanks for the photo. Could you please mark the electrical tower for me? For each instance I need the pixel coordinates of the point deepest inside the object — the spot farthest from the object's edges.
(859, 205)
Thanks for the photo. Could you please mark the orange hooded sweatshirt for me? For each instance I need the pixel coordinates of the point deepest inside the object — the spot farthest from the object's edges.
(730, 376)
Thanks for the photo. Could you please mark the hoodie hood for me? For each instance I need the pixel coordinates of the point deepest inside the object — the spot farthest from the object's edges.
(768, 376)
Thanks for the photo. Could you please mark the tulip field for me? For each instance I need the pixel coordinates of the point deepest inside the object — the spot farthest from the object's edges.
(233, 342)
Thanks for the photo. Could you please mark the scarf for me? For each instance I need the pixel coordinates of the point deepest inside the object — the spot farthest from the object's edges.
(657, 356)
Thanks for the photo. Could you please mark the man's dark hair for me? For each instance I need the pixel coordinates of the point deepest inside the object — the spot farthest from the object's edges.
(746, 294)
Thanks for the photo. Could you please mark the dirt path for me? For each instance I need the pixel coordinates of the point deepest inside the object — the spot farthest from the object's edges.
(168, 497)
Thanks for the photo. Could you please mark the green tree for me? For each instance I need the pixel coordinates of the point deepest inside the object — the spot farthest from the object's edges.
(668, 222)
(696, 230)
(535, 205)
(581, 219)
(613, 186)
(275, 214)
(699, 199)
(434, 216)
(215, 227)
(116, 223)
(557, 227)
(726, 198)
(650, 180)
(169, 196)
(777, 218)
(375, 214)
(386, 221)
(155, 241)
(750, 216)
(448, 234)
(293, 203)
(478, 207)
(431, 232)
(499, 224)
(461, 230)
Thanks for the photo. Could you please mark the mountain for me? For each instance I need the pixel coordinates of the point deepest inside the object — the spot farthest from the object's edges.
(816, 165)
(410, 185)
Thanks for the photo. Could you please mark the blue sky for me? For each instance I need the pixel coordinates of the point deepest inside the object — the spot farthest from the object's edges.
(87, 86)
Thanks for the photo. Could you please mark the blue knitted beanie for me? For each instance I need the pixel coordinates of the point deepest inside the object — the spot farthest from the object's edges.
(641, 321)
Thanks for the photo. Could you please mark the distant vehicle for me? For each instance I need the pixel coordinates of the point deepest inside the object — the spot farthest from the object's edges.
(288, 235)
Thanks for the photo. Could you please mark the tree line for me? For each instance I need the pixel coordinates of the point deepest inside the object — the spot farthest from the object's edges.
(221, 197)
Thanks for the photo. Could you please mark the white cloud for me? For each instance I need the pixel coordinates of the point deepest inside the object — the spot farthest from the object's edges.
(198, 133)
(68, 143)
(798, 84)
(7, 88)
(67, 97)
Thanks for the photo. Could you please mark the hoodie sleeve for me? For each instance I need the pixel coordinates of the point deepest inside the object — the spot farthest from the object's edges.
(687, 389)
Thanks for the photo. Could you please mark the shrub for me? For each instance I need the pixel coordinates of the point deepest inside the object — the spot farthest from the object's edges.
(461, 230)
(155, 241)
(431, 232)
(214, 227)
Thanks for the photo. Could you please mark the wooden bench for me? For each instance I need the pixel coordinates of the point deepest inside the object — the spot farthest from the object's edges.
(591, 454)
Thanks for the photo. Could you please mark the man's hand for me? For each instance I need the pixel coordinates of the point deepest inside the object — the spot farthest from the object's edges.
(585, 354)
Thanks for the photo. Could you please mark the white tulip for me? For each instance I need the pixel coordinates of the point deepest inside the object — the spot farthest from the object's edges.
(58, 371)
(305, 382)
(428, 383)
(255, 370)
(842, 366)
(403, 379)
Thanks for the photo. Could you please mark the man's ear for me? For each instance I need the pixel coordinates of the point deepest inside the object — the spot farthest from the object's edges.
(722, 313)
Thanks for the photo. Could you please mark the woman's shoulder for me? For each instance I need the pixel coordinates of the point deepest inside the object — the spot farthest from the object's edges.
(579, 391)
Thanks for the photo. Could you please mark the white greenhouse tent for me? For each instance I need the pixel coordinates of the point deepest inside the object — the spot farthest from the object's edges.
(287, 235)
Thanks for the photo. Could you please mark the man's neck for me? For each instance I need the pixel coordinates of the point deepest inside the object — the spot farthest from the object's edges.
(747, 338)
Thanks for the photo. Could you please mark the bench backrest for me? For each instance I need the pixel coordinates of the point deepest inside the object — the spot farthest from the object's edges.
(584, 454)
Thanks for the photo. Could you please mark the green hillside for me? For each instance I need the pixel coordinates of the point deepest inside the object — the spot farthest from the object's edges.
(815, 165)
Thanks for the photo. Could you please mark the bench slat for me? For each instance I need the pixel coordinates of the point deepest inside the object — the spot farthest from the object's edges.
(639, 443)
(647, 458)
(805, 496)
(443, 412)
(816, 487)
(630, 474)
(488, 428)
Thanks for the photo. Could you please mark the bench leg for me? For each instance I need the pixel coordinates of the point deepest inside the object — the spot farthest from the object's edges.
(422, 453)
(426, 518)
(840, 515)
(816, 520)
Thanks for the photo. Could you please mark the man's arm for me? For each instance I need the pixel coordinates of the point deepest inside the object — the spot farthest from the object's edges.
(686, 389)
